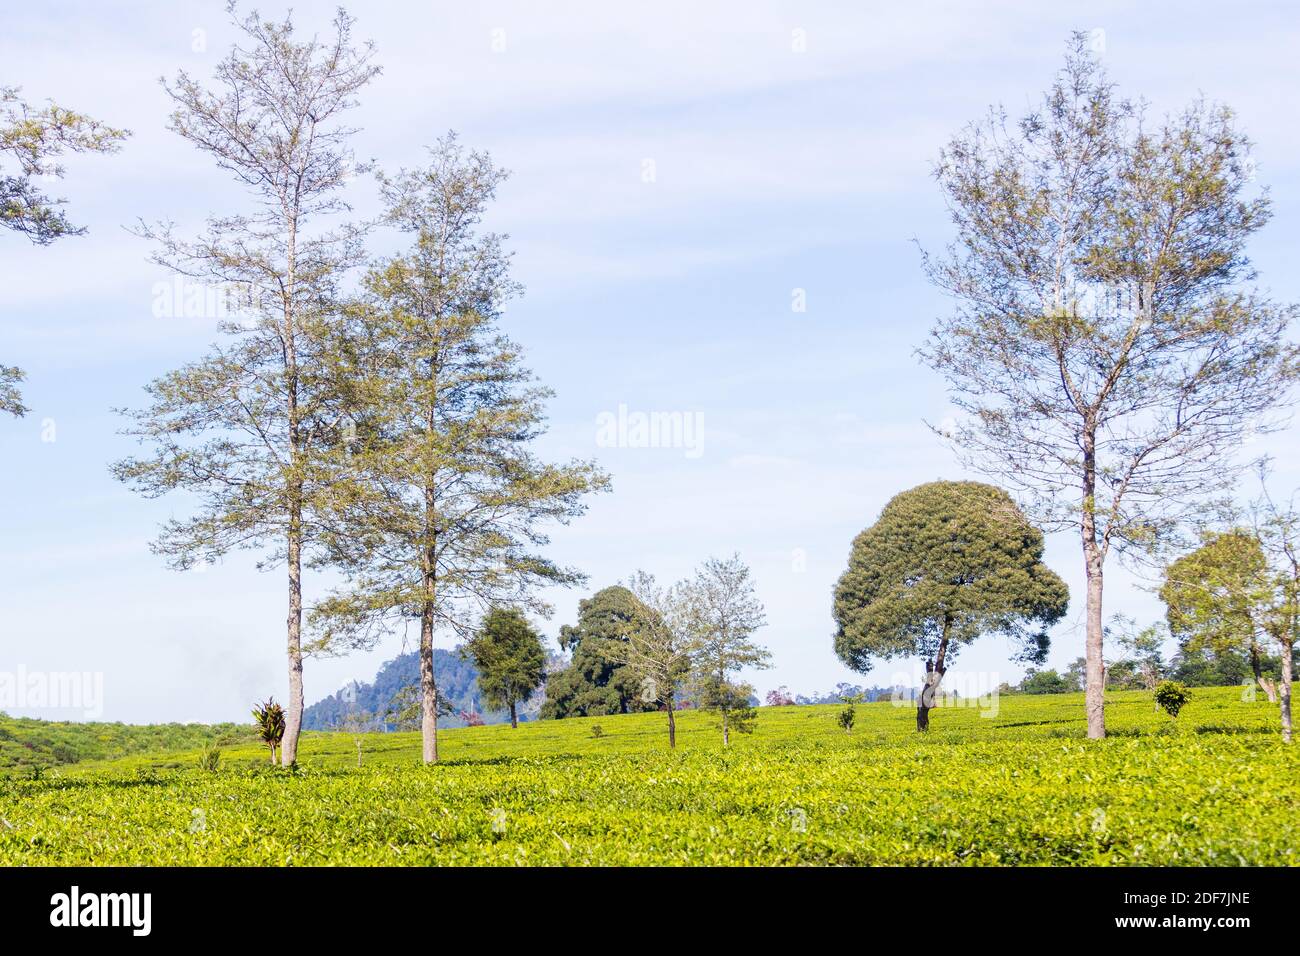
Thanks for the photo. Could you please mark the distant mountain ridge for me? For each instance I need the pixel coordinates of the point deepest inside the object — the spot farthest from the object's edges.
(457, 681)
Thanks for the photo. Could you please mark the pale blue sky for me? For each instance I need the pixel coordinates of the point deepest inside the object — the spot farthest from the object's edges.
(775, 170)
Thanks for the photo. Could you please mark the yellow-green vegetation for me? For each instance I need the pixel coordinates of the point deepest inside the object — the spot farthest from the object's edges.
(27, 745)
(1214, 786)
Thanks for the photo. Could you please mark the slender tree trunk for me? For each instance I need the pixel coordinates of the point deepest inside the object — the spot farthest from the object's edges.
(1095, 665)
(1256, 666)
(672, 723)
(934, 671)
(1286, 690)
(294, 712)
(514, 714)
(428, 688)
(296, 703)
(726, 730)
(1094, 561)
(922, 708)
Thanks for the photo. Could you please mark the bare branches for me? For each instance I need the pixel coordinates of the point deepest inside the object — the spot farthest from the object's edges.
(1098, 324)
(1106, 357)
(449, 506)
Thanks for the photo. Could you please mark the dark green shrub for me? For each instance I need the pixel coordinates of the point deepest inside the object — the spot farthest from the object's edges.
(1172, 696)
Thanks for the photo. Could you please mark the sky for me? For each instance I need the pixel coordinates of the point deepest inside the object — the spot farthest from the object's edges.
(716, 211)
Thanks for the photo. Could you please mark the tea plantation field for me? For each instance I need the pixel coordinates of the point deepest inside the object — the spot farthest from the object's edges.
(1216, 787)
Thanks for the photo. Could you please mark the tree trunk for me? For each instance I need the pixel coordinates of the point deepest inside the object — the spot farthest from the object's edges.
(514, 714)
(929, 692)
(1095, 669)
(294, 712)
(1093, 560)
(672, 724)
(726, 730)
(934, 671)
(1265, 684)
(429, 570)
(1286, 691)
(428, 689)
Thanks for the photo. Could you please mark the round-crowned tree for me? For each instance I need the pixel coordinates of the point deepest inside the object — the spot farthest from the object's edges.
(945, 563)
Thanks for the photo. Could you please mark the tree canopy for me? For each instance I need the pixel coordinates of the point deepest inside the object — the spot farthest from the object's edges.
(1109, 351)
(726, 612)
(1218, 596)
(594, 684)
(510, 659)
(945, 563)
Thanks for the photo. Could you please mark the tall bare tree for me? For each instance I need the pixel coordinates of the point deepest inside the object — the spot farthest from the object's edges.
(1278, 526)
(32, 139)
(244, 429)
(449, 506)
(726, 612)
(1107, 350)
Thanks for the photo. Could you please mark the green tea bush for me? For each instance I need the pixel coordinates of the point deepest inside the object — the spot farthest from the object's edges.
(1172, 697)
(1024, 787)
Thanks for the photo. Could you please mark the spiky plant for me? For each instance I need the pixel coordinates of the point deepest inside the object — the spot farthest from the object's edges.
(269, 717)
(210, 758)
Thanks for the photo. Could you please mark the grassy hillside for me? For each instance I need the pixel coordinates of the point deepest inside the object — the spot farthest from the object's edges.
(1217, 787)
(26, 744)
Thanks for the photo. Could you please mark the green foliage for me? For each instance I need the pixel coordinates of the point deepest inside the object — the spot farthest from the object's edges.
(252, 433)
(448, 505)
(25, 742)
(945, 563)
(724, 612)
(848, 714)
(597, 731)
(210, 758)
(1045, 682)
(11, 399)
(510, 658)
(732, 701)
(1215, 595)
(405, 708)
(31, 139)
(595, 683)
(1172, 697)
(1206, 669)
(1022, 788)
(270, 722)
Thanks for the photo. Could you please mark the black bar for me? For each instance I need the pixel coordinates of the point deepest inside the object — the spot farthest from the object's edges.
(340, 905)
